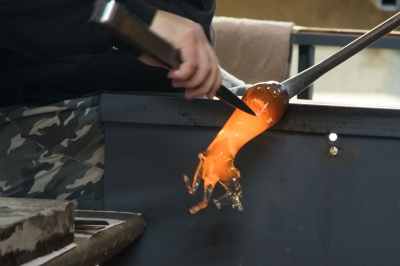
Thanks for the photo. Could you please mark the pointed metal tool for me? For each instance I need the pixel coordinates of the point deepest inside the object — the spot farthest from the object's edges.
(117, 18)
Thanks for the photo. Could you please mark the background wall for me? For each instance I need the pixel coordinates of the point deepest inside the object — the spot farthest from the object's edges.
(356, 14)
(370, 78)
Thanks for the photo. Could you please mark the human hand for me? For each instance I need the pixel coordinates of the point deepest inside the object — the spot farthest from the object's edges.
(199, 72)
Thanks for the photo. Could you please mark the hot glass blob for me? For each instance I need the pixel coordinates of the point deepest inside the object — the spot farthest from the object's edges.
(269, 101)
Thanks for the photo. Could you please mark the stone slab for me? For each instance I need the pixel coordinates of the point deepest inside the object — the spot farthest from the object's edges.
(30, 228)
(105, 245)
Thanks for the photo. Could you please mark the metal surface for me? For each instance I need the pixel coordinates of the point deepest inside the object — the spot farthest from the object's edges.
(336, 39)
(337, 31)
(306, 60)
(117, 18)
(302, 206)
(305, 117)
(301, 81)
(225, 95)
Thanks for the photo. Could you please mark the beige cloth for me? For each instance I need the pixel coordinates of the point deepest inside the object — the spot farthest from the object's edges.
(253, 50)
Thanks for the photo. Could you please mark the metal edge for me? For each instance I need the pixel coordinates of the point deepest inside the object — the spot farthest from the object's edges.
(330, 39)
(299, 117)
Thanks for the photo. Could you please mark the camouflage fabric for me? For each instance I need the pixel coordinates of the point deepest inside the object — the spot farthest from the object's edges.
(54, 151)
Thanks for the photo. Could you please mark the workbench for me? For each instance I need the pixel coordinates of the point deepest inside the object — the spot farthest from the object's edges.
(302, 205)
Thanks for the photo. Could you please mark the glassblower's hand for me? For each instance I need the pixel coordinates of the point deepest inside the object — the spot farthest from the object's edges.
(199, 72)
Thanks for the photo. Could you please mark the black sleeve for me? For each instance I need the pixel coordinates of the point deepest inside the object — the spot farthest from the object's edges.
(49, 29)
(200, 11)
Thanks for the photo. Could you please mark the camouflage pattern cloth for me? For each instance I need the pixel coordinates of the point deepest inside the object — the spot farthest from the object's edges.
(54, 151)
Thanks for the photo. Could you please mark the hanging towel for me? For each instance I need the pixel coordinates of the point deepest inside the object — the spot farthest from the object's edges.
(253, 50)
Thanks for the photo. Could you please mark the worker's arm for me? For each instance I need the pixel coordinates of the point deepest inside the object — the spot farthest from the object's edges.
(199, 72)
(49, 29)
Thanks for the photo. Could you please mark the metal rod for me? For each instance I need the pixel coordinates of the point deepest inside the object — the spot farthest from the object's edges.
(301, 81)
(331, 31)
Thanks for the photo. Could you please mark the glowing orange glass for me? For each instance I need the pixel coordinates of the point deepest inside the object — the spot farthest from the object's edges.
(269, 101)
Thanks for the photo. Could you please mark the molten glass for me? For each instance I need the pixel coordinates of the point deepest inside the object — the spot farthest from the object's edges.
(269, 101)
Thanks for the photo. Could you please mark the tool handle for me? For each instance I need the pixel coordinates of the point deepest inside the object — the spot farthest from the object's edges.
(301, 81)
(122, 23)
(117, 18)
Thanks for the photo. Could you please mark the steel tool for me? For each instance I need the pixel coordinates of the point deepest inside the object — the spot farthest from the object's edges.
(117, 18)
(301, 81)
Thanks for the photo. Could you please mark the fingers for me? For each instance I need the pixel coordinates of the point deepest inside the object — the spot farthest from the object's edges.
(195, 75)
(208, 87)
(199, 72)
(191, 52)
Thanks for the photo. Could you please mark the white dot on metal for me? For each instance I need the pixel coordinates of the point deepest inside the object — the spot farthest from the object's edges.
(332, 137)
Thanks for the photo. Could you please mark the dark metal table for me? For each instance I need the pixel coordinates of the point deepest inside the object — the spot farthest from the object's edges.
(302, 206)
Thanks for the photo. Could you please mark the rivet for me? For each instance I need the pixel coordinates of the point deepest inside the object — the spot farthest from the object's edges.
(333, 151)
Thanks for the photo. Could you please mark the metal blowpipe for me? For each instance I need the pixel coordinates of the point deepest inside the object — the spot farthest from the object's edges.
(301, 81)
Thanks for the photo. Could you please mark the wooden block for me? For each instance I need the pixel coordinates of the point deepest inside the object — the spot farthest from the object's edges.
(30, 228)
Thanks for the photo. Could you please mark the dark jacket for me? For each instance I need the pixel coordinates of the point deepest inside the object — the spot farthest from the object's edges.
(44, 42)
